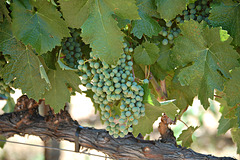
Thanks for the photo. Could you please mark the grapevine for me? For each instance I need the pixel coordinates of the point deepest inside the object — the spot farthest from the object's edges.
(137, 60)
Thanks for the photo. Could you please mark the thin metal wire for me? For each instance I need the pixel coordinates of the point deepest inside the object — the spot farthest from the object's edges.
(53, 148)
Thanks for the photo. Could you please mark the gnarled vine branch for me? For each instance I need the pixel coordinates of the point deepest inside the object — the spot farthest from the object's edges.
(27, 120)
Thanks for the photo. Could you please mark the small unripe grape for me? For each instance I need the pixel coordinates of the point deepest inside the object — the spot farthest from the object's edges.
(165, 42)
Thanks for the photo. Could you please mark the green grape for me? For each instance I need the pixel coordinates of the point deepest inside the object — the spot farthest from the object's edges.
(135, 122)
(169, 24)
(111, 119)
(165, 42)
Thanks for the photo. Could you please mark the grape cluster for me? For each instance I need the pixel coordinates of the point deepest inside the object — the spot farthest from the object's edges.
(196, 11)
(169, 33)
(71, 48)
(114, 86)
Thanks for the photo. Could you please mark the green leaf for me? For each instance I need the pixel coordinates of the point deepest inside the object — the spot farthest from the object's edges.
(38, 23)
(89, 93)
(148, 7)
(145, 124)
(4, 12)
(75, 12)
(50, 59)
(63, 66)
(236, 137)
(9, 106)
(232, 88)
(157, 72)
(121, 22)
(183, 94)
(125, 9)
(170, 109)
(103, 34)
(205, 59)
(146, 25)
(186, 136)
(2, 143)
(164, 60)
(146, 54)
(24, 65)
(59, 94)
(226, 15)
(168, 9)
(225, 124)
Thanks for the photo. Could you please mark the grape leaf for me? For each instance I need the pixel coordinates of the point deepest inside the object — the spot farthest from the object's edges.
(183, 94)
(186, 136)
(75, 12)
(24, 65)
(146, 54)
(170, 109)
(158, 72)
(145, 124)
(3, 11)
(232, 88)
(59, 94)
(207, 58)
(236, 137)
(89, 93)
(38, 23)
(164, 60)
(153, 110)
(148, 7)
(168, 9)
(146, 25)
(225, 124)
(2, 143)
(100, 30)
(50, 58)
(121, 22)
(226, 15)
(9, 106)
(125, 9)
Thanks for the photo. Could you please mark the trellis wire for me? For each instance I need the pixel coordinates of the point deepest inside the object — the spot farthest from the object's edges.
(53, 148)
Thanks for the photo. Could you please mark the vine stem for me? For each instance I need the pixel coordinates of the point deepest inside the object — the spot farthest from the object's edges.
(157, 88)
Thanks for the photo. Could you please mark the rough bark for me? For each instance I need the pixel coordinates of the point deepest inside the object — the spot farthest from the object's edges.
(27, 120)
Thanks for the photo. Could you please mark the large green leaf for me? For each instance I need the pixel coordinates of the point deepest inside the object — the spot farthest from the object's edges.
(168, 9)
(38, 23)
(24, 65)
(100, 30)
(225, 124)
(236, 138)
(75, 12)
(146, 54)
(59, 94)
(206, 60)
(232, 88)
(125, 9)
(226, 15)
(186, 136)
